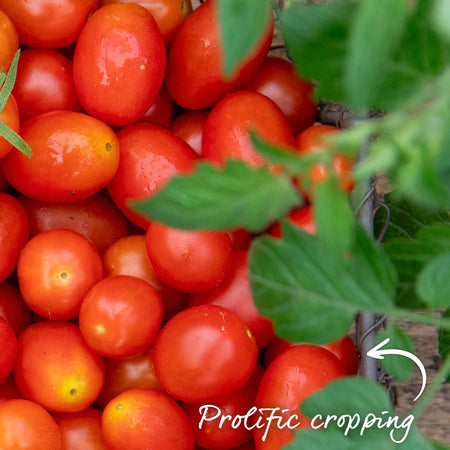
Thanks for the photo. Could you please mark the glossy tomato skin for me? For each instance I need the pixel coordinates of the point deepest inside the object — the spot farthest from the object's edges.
(191, 261)
(14, 233)
(9, 40)
(56, 368)
(204, 352)
(10, 117)
(195, 78)
(8, 344)
(148, 419)
(56, 270)
(48, 23)
(96, 218)
(74, 156)
(149, 157)
(302, 217)
(161, 111)
(226, 134)
(234, 294)
(296, 374)
(9, 390)
(25, 425)
(81, 430)
(13, 308)
(119, 63)
(44, 83)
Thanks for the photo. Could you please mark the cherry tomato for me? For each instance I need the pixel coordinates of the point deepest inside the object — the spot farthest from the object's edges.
(226, 133)
(74, 156)
(119, 63)
(56, 368)
(10, 117)
(296, 374)
(81, 430)
(124, 374)
(191, 261)
(44, 83)
(161, 111)
(13, 308)
(149, 157)
(189, 127)
(277, 79)
(3, 183)
(128, 256)
(121, 316)
(8, 344)
(234, 294)
(14, 233)
(240, 239)
(48, 23)
(302, 217)
(96, 218)
(9, 40)
(9, 390)
(204, 352)
(56, 270)
(195, 78)
(25, 425)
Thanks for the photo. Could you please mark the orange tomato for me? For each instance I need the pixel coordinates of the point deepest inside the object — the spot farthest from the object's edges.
(9, 40)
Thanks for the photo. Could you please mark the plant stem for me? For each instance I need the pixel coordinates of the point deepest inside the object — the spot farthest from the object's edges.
(411, 316)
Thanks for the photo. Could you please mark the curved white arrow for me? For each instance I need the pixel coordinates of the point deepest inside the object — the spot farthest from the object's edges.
(377, 353)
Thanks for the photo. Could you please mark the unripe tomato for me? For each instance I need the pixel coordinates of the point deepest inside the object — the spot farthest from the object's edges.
(74, 156)
(189, 127)
(119, 63)
(9, 40)
(8, 346)
(10, 117)
(13, 308)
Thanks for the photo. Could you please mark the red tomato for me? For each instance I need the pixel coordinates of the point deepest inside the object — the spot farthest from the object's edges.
(9, 390)
(74, 156)
(56, 270)
(14, 233)
(296, 374)
(234, 294)
(191, 261)
(240, 239)
(48, 23)
(195, 78)
(9, 40)
(8, 344)
(209, 434)
(189, 127)
(277, 79)
(226, 133)
(44, 83)
(161, 111)
(128, 256)
(25, 425)
(56, 368)
(81, 430)
(3, 183)
(302, 217)
(149, 157)
(13, 308)
(9, 115)
(121, 316)
(124, 374)
(204, 352)
(96, 218)
(119, 63)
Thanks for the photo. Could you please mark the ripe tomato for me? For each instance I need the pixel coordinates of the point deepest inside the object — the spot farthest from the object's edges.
(26, 425)
(240, 239)
(48, 23)
(9, 40)
(9, 115)
(161, 111)
(226, 133)
(302, 217)
(119, 63)
(9, 390)
(149, 157)
(96, 218)
(14, 233)
(124, 374)
(13, 308)
(44, 83)
(191, 261)
(296, 374)
(204, 352)
(195, 78)
(3, 183)
(277, 79)
(8, 344)
(189, 127)
(74, 156)
(128, 256)
(56, 270)
(234, 294)
(147, 419)
(121, 316)
(81, 430)
(56, 368)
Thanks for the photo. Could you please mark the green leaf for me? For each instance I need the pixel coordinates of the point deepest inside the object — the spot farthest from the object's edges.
(444, 339)
(242, 24)
(441, 18)
(13, 138)
(433, 282)
(368, 54)
(213, 198)
(398, 366)
(9, 81)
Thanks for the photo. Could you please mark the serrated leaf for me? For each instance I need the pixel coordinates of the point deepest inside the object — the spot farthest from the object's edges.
(444, 339)
(213, 198)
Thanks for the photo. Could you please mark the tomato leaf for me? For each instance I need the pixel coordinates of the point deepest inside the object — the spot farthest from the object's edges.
(441, 18)
(213, 198)
(9, 81)
(242, 24)
(13, 138)
(444, 339)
